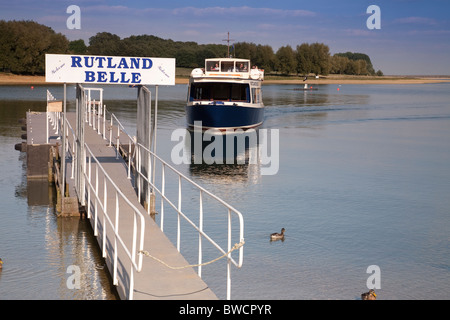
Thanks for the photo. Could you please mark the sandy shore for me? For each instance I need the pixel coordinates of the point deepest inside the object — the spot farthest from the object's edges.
(11, 79)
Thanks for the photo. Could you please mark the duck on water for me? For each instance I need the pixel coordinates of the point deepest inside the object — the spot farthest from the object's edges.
(371, 295)
(277, 236)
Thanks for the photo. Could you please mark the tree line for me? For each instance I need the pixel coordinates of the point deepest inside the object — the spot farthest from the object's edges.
(307, 59)
(23, 45)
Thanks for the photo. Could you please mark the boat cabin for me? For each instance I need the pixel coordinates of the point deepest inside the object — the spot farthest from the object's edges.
(229, 67)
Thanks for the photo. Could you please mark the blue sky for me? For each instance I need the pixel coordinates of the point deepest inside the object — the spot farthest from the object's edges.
(414, 37)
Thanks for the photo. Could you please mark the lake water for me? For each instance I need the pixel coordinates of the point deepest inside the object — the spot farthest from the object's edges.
(363, 180)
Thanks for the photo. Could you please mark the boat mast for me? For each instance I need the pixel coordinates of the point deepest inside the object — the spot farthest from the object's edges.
(228, 43)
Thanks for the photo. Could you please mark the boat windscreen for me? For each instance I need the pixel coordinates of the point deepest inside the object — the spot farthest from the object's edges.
(220, 91)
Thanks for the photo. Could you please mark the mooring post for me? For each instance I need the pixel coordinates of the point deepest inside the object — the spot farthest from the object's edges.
(63, 158)
(155, 122)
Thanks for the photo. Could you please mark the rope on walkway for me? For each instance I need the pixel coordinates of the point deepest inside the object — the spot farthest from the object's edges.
(235, 247)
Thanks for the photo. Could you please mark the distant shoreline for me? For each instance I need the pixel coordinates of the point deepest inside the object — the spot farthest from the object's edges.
(351, 79)
(12, 79)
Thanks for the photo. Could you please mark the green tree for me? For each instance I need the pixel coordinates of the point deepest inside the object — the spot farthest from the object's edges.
(186, 58)
(303, 55)
(320, 54)
(23, 45)
(265, 58)
(245, 50)
(338, 64)
(286, 62)
(202, 54)
(355, 56)
(217, 50)
(361, 67)
(77, 47)
(105, 43)
(259, 55)
(313, 58)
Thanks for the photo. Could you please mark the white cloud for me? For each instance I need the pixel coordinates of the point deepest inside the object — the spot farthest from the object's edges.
(416, 20)
(242, 11)
(359, 32)
(105, 9)
(190, 11)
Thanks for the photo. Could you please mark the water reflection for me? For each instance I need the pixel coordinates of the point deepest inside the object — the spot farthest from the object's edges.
(218, 156)
(74, 245)
(40, 193)
(68, 242)
(37, 247)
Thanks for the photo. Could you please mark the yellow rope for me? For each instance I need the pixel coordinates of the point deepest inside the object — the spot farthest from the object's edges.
(235, 247)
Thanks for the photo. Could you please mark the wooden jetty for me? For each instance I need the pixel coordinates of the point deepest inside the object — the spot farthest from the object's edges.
(155, 280)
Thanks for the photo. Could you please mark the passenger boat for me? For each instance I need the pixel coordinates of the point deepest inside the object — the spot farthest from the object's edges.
(226, 94)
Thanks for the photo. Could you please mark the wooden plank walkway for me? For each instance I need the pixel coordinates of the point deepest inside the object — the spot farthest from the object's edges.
(155, 281)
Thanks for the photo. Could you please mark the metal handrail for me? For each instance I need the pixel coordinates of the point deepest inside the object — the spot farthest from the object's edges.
(74, 150)
(100, 205)
(202, 190)
(136, 158)
(136, 265)
(101, 118)
(199, 228)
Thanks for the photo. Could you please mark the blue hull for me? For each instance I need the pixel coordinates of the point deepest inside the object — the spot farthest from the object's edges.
(222, 116)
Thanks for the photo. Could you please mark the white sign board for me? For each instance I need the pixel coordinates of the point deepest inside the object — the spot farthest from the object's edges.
(72, 68)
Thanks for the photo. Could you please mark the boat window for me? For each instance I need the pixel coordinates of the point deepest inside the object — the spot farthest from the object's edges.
(228, 66)
(242, 66)
(256, 94)
(220, 91)
(212, 65)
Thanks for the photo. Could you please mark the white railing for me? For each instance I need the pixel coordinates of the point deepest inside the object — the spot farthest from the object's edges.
(180, 214)
(96, 196)
(98, 116)
(54, 116)
(120, 128)
(111, 216)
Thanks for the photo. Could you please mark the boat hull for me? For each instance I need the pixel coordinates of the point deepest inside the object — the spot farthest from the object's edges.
(224, 116)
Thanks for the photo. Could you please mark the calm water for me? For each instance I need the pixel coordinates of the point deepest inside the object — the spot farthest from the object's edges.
(364, 179)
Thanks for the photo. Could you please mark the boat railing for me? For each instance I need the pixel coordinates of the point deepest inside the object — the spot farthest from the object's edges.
(231, 68)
